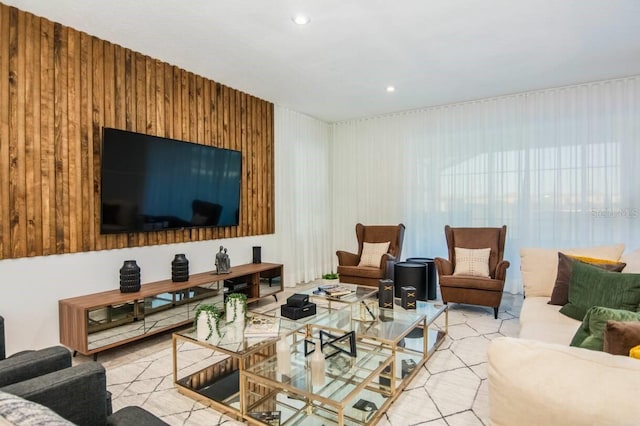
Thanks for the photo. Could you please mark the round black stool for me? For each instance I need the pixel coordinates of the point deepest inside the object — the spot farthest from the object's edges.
(410, 274)
(431, 275)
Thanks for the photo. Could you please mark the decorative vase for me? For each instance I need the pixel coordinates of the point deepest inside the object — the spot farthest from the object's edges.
(129, 277)
(207, 327)
(180, 268)
(317, 365)
(235, 310)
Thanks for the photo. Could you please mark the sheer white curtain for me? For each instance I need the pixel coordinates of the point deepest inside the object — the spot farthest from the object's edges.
(559, 167)
(303, 203)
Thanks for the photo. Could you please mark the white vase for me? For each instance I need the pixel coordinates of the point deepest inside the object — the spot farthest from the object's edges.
(234, 307)
(317, 366)
(202, 327)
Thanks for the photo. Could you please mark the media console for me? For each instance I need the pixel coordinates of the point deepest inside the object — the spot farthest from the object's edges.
(95, 322)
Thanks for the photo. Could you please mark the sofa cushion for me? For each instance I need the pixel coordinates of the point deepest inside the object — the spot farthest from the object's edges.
(536, 383)
(372, 253)
(472, 262)
(590, 335)
(20, 412)
(621, 336)
(560, 293)
(539, 266)
(544, 322)
(591, 286)
(632, 259)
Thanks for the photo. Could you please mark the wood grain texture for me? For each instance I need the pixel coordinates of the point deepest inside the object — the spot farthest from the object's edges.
(62, 87)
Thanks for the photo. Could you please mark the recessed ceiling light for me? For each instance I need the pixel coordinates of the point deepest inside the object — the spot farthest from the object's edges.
(391, 89)
(301, 19)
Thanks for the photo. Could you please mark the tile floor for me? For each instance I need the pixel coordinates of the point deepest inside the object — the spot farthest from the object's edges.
(450, 390)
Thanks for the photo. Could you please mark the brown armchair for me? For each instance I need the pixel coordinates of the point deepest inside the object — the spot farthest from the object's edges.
(474, 290)
(348, 269)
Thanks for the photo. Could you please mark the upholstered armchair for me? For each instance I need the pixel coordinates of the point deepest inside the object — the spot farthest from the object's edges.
(369, 269)
(474, 279)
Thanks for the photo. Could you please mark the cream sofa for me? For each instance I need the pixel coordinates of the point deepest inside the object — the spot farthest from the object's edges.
(539, 379)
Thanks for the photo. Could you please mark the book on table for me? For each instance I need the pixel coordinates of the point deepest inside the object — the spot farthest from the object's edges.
(336, 290)
(262, 327)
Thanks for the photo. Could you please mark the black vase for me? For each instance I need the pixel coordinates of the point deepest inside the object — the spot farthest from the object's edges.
(129, 277)
(180, 268)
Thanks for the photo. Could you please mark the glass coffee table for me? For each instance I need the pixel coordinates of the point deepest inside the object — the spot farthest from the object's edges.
(238, 375)
(359, 388)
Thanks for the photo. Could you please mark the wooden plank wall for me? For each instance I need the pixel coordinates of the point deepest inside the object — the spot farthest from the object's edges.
(59, 87)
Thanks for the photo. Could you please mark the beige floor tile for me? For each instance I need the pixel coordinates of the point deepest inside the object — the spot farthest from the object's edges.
(461, 331)
(480, 370)
(471, 350)
(413, 406)
(453, 391)
(510, 328)
(443, 361)
(485, 324)
(466, 418)
(481, 404)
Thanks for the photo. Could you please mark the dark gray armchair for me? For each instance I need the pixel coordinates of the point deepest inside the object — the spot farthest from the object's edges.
(28, 364)
(79, 394)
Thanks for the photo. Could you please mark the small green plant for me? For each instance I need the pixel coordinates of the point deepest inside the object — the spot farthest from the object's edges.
(214, 315)
(239, 299)
(330, 276)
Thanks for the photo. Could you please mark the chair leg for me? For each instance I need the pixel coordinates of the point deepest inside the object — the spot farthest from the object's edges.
(495, 312)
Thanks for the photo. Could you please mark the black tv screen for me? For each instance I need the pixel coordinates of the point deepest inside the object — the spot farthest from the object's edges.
(151, 183)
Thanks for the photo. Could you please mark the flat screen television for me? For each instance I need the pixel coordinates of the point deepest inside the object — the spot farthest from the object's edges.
(152, 183)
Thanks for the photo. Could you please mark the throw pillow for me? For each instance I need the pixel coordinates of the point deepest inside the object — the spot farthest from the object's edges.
(590, 334)
(635, 352)
(21, 412)
(472, 262)
(621, 336)
(591, 286)
(560, 293)
(372, 253)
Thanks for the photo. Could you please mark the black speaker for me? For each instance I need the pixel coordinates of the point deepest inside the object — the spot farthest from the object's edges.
(385, 294)
(257, 254)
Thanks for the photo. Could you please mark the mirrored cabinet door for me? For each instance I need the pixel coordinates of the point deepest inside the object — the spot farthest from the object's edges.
(113, 323)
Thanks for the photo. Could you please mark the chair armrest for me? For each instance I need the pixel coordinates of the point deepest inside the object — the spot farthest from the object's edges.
(27, 365)
(78, 393)
(443, 266)
(347, 259)
(501, 270)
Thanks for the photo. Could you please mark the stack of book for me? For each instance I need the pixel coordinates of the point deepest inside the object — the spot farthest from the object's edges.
(334, 290)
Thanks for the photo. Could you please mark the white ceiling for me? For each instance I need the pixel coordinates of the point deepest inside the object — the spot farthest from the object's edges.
(337, 67)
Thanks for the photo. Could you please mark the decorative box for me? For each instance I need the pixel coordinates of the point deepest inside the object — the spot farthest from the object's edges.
(385, 378)
(385, 294)
(408, 297)
(297, 312)
(298, 300)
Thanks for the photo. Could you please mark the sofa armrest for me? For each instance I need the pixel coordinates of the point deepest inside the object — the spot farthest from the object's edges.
(78, 393)
(536, 383)
(31, 364)
(501, 270)
(443, 266)
(347, 259)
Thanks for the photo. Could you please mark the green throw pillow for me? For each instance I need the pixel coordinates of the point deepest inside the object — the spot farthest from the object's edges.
(592, 286)
(590, 335)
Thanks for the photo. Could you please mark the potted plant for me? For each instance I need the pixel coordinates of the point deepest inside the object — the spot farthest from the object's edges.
(236, 307)
(330, 279)
(207, 321)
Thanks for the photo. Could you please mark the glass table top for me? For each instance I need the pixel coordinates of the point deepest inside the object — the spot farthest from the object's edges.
(234, 339)
(358, 292)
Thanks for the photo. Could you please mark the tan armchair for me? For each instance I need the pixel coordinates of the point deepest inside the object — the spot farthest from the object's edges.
(348, 269)
(474, 290)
